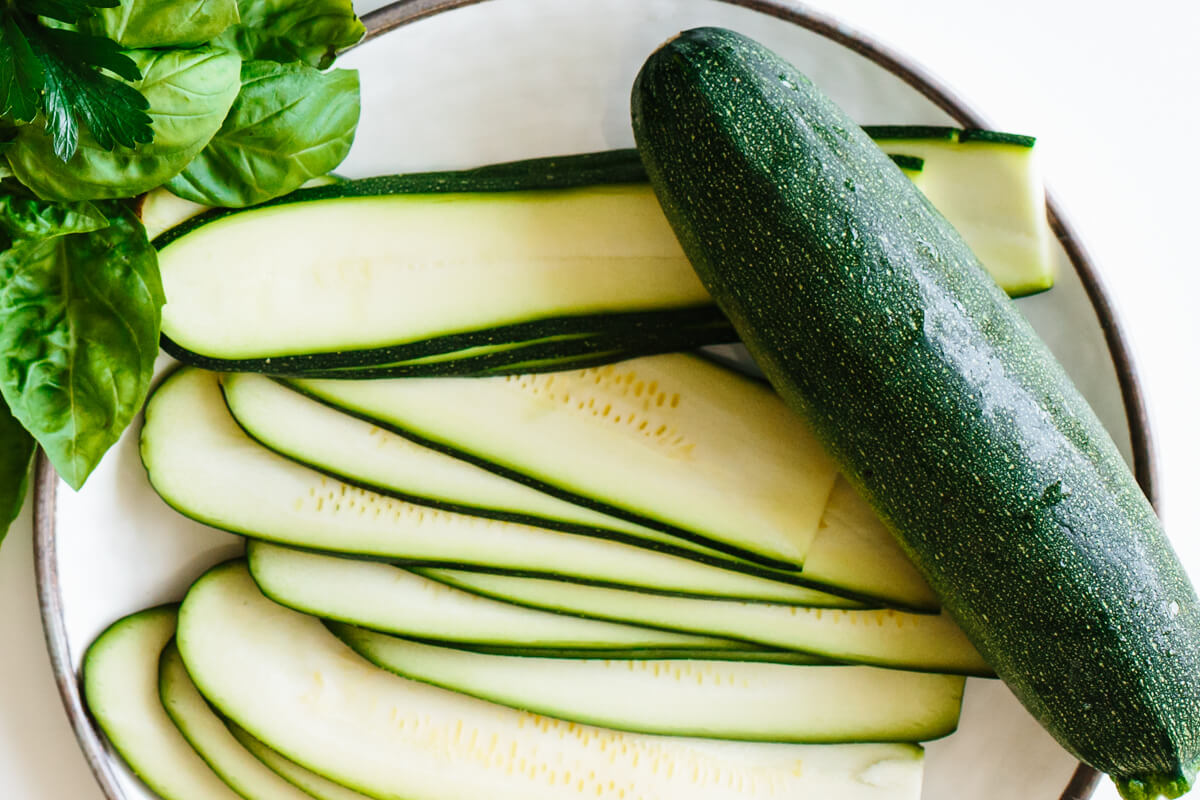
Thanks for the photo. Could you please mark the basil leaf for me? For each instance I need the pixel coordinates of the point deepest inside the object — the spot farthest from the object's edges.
(309, 31)
(189, 92)
(290, 123)
(16, 455)
(163, 23)
(79, 321)
(26, 217)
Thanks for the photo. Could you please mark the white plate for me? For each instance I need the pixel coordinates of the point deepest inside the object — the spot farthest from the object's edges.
(523, 78)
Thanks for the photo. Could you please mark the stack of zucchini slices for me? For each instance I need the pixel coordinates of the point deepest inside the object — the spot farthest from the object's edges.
(600, 566)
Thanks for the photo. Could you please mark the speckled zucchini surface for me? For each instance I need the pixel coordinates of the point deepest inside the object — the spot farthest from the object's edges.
(874, 321)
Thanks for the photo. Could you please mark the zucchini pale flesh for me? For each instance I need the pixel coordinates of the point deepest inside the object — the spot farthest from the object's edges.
(340, 276)
(387, 598)
(202, 464)
(876, 322)
(988, 186)
(291, 684)
(317, 786)
(882, 637)
(434, 263)
(120, 686)
(673, 442)
(207, 734)
(851, 549)
(711, 699)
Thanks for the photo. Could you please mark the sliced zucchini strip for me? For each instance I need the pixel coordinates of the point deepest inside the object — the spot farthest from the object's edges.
(851, 550)
(120, 686)
(207, 734)
(673, 442)
(387, 598)
(989, 187)
(712, 699)
(201, 462)
(411, 267)
(854, 551)
(344, 446)
(421, 261)
(881, 637)
(312, 783)
(630, 336)
(294, 686)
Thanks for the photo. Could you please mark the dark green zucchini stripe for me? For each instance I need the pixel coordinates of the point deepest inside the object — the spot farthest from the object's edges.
(553, 172)
(945, 133)
(764, 655)
(550, 172)
(874, 320)
(686, 328)
(590, 349)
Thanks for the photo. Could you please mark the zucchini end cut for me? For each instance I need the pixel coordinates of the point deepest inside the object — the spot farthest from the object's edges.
(1155, 785)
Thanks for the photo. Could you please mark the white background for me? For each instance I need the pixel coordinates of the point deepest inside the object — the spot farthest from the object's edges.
(1110, 91)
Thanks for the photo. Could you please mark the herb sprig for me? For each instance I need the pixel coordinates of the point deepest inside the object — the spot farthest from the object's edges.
(225, 102)
(65, 74)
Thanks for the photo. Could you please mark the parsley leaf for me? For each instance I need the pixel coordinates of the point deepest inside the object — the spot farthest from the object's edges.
(65, 74)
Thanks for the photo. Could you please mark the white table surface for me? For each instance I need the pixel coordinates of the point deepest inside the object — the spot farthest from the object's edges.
(1110, 92)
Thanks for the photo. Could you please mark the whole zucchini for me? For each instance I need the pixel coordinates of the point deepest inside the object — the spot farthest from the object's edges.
(875, 321)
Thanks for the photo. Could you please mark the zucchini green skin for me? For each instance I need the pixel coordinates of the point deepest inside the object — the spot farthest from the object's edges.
(649, 336)
(554, 172)
(759, 655)
(873, 320)
(550, 172)
(603, 338)
(882, 133)
(675, 329)
(654, 331)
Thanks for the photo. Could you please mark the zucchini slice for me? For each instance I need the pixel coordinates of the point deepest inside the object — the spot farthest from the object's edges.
(851, 549)
(430, 263)
(542, 356)
(352, 449)
(410, 267)
(290, 683)
(312, 783)
(207, 734)
(387, 598)
(550, 353)
(120, 686)
(854, 551)
(988, 186)
(674, 442)
(711, 699)
(880, 637)
(202, 464)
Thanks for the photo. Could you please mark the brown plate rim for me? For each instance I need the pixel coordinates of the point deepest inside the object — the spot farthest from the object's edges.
(404, 12)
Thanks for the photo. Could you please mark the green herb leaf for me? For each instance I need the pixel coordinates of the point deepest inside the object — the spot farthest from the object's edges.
(290, 123)
(47, 66)
(163, 23)
(115, 112)
(16, 455)
(189, 92)
(79, 320)
(21, 74)
(309, 31)
(28, 218)
(71, 11)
